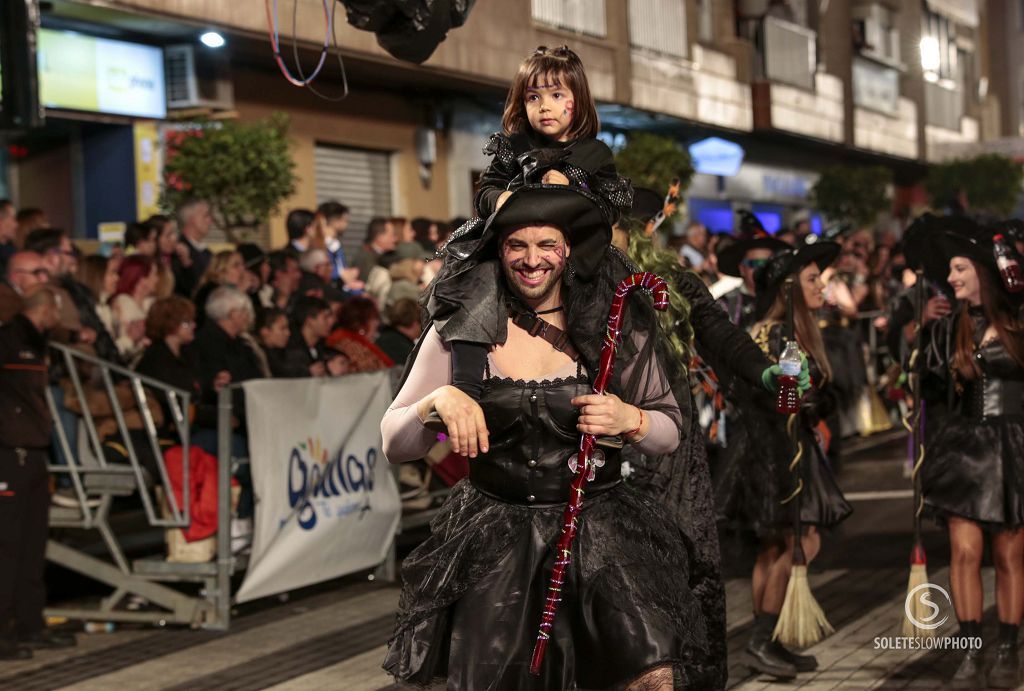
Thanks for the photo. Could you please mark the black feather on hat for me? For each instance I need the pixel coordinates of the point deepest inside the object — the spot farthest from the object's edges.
(752, 236)
(577, 212)
(769, 278)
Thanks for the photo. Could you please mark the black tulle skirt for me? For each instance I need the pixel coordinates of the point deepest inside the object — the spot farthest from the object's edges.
(754, 479)
(473, 594)
(976, 470)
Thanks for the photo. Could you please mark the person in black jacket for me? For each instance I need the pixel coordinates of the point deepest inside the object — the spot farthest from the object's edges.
(170, 327)
(25, 429)
(307, 354)
(224, 359)
(194, 223)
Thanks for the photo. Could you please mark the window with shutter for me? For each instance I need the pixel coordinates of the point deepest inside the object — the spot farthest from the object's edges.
(358, 178)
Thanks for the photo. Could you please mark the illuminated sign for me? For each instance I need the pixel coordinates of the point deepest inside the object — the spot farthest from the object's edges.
(80, 72)
(716, 156)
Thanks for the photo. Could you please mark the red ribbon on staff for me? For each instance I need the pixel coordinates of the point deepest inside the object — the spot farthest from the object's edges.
(658, 289)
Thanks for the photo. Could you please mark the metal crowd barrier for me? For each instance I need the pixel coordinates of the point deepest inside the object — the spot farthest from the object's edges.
(96, 482)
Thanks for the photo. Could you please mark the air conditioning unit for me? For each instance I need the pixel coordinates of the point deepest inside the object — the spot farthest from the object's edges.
(198, 77)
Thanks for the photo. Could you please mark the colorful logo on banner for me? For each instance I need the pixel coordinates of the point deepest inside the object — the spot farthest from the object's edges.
(323, 486)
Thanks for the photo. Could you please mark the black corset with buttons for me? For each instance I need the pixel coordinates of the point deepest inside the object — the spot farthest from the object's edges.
(999, 391)
(532, 431)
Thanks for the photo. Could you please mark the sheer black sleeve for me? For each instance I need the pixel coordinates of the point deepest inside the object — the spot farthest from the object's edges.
(729, 350)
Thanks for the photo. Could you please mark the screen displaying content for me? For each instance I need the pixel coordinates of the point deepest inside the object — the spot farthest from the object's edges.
(81, 72)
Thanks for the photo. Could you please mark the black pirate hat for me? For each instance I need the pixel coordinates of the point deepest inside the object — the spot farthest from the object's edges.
(752, 236)
(575, 211)
(769, 278)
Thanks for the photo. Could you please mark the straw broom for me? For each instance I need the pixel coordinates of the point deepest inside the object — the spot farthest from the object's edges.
(918, 561)
(801, 621)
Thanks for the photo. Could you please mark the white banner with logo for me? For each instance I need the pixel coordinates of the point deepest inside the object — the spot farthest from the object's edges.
(326, 501)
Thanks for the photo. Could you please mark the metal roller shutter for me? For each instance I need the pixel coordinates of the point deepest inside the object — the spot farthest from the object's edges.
(358, 178)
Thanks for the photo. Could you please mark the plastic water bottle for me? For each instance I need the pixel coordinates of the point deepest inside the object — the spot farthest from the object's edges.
(788, 398)
(1009, 267)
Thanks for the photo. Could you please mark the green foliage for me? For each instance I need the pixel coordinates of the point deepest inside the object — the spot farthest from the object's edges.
(990, 182)
(651, 160)
(675, 321)
(243, 170)
(858, 195)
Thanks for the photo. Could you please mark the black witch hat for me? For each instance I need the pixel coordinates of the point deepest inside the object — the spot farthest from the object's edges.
(575, 211)
(769, 278)
(931, 241)
(752, 236)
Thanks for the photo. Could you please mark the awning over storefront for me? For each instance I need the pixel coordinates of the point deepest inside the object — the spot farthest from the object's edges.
(962, 11)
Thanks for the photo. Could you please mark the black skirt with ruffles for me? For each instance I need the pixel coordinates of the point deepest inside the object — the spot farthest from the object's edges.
(474, 593)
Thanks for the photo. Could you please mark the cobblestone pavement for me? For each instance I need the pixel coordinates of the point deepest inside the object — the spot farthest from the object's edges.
(333, 636)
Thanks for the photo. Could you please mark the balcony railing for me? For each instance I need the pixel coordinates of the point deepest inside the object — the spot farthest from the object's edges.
(583, 16)
(658, 25)
(784, 51)
(943, 106)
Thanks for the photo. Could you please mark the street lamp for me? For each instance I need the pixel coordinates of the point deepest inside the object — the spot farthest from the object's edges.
(212, 39)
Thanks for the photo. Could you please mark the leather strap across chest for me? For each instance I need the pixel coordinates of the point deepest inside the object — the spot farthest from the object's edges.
(535, 326)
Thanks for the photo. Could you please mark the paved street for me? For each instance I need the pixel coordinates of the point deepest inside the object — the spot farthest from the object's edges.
(333, 636)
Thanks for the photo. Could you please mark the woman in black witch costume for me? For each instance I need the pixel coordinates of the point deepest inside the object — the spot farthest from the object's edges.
(972, 477)
(474, 591)
(755, 480)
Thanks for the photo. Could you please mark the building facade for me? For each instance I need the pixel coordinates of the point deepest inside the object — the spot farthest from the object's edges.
(797, 84)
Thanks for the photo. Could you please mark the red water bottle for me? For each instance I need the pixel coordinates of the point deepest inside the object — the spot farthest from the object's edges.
(787, 400)
(1009, 267)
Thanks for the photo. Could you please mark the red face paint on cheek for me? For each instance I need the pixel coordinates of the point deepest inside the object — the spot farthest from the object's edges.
(569, 107)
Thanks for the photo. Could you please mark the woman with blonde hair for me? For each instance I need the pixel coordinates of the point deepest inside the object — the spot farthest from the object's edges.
(227, 268)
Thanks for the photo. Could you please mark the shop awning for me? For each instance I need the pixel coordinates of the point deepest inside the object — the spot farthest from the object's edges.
(962, 11)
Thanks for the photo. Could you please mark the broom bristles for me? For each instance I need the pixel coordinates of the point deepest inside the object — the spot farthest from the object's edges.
(801, 621)
(918, 577)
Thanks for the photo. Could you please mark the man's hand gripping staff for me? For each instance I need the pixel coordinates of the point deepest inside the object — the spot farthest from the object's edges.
(584, 461)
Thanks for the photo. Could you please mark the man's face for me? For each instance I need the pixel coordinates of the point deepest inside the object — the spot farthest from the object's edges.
(388, 240)
(321, 323)
(750, 263)
(200, 221)
(8, 223)
(697, 236)
(533, 258)
(26, 269)
(337, 226)
(287, 281)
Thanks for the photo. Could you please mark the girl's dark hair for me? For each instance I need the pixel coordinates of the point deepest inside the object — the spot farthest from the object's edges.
(1000, 313)
(563, 67)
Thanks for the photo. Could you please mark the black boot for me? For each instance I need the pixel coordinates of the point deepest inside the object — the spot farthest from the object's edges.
(970, 674)
(1005, 672)
(9, 650)
(803, 663)
(761, 654)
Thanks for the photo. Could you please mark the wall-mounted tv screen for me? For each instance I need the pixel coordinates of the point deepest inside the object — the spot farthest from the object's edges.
(99, 75)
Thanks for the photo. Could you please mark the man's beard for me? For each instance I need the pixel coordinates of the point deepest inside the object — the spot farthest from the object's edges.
(533, 292)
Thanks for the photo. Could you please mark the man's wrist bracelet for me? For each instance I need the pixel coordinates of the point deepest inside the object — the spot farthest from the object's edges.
(634, 432)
